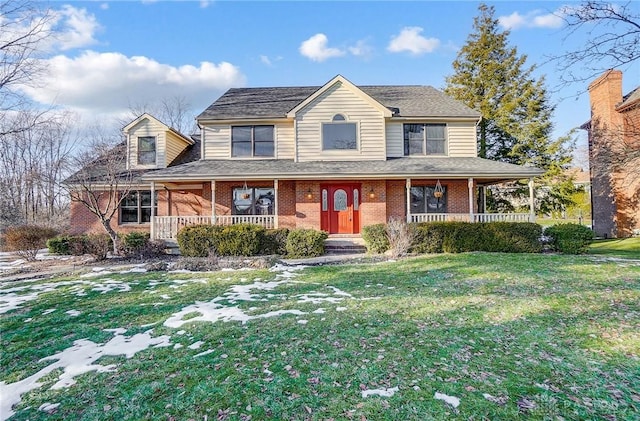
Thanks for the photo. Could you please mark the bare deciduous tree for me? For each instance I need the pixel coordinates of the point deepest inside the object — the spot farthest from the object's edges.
(175, 111)
(613, 38)
(24, 28)
(102, 183)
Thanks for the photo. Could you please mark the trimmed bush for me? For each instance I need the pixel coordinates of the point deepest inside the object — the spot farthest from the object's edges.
(458, 237)
(240, 240)
(139, 245)
(198, 240)
(274, 241)
(26, 240)
(305, 243)
(97, 245)
(59, 245)
(569, 238)
(375, 238)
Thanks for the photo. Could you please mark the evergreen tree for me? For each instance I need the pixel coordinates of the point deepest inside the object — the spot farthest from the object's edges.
(491, 77)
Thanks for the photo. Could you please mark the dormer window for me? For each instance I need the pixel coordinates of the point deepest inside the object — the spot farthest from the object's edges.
(339, 134)
(146, 150)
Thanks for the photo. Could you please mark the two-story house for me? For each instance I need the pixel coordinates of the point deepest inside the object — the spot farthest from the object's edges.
(336, 157)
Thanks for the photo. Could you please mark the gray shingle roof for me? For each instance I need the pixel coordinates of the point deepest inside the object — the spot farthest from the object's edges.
(392, 168)
(405, 101)
(630, 97)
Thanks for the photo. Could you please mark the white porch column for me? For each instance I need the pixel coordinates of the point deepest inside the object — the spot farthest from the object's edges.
(484, 199)
(532, 211)
(408, 200)
(275, 205)
(152, 232)
(470, 186)
(213, 202)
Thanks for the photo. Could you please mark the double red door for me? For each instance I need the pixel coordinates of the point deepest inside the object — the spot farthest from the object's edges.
(340, 208)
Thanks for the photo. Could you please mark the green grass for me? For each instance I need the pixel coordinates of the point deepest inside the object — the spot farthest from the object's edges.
(560, 332)
(626, 247)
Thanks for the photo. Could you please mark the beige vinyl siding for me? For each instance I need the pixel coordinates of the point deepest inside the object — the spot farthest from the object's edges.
(147, 127)
(174, 146)
(217, 141)
(395, 140)
(285, 141)
(462, 139)
(340, 100)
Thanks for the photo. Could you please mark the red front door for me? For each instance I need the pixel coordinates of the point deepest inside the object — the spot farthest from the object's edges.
(340, 208)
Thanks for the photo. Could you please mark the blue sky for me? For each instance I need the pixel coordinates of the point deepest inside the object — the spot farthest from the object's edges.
(111, 54)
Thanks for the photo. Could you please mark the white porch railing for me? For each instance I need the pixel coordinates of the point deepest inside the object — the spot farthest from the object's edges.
(267, 221)
(167, 227)
(465, 217)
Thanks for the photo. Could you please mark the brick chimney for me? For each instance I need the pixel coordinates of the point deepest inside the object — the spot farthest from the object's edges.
(605, 93)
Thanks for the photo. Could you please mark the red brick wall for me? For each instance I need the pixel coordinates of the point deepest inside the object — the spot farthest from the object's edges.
(82, 221)
(373, 210)
(307, 209)
(396, 199)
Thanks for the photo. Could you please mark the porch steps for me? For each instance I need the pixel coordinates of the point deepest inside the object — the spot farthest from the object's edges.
(344, 244)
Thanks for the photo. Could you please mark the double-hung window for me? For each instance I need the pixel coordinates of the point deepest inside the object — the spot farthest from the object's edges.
(424, 200)
(425, 139)
(253, 201)
(339, 134)
(146, 150)
(248, 141)
(135, 208)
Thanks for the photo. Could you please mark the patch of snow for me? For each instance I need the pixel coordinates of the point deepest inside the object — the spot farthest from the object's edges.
(48, 407)
(28, 320)
(319, 311)
(181, 332)
(341, 309)
(48, 311)
(76, 360)
(213, 312)
(337, 291)
(196, 345)
(13, 301)
(137, 269)
(73, 313)
(111, 285)
(207, 352)
(451, 400)
(303, 322)
(178, 346)
(96, 273)
(165, 296)
(387, 393)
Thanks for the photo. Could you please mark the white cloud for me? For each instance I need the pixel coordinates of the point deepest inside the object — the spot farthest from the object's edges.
(108, 82)
(361, 49)
(75, 28)
(104, 6)
(205, 3)
(533, 19)
(269, 61)
(316, 49)
(409, 39)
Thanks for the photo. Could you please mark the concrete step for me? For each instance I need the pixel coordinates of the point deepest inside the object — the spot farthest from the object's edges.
(344, 245)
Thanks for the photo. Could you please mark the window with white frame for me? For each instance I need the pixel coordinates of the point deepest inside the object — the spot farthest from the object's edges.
(253, 201)
(252, 141)
(136, 207)
(339, 134)
(146, 150)
(425, 200)
(425, 139)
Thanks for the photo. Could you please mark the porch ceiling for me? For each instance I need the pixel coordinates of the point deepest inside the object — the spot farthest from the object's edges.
(393, 168)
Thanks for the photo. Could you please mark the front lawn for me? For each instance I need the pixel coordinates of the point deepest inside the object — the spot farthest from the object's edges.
(624, 247)
(469, 336)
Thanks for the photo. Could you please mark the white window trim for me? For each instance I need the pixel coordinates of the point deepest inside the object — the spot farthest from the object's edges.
(424, 140)
(242, 158)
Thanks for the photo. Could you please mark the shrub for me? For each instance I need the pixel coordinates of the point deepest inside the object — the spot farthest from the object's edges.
(400, 237)
(139, 245)
(569, 238)
(78, 245)
(305, 243)
(59, 245)
(26, 240)
(97, 245)
(274, 241)
(375, 238)
(240, 240)
(457, 237)
(198, 240)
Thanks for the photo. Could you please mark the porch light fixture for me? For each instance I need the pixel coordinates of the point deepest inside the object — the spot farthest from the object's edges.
(439, 191)
(372, 194)
(309, 193)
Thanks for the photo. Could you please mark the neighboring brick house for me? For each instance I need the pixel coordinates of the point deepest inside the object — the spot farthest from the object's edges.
(614, 156)
(336, 157)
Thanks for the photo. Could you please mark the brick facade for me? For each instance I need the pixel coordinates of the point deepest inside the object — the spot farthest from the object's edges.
(614, 132)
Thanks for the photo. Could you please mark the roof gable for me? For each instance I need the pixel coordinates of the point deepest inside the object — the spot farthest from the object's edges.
(339, 79)
(147, 116)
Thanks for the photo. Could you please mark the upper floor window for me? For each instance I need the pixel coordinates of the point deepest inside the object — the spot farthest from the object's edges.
(339, 134)
(425, 139)
(135, 208)
(252, 141)
(146, 150)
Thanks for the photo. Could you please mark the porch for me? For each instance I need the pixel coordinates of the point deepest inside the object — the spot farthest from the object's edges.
(167, 227)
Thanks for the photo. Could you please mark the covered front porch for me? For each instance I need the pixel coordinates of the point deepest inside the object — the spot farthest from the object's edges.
(336, 206)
